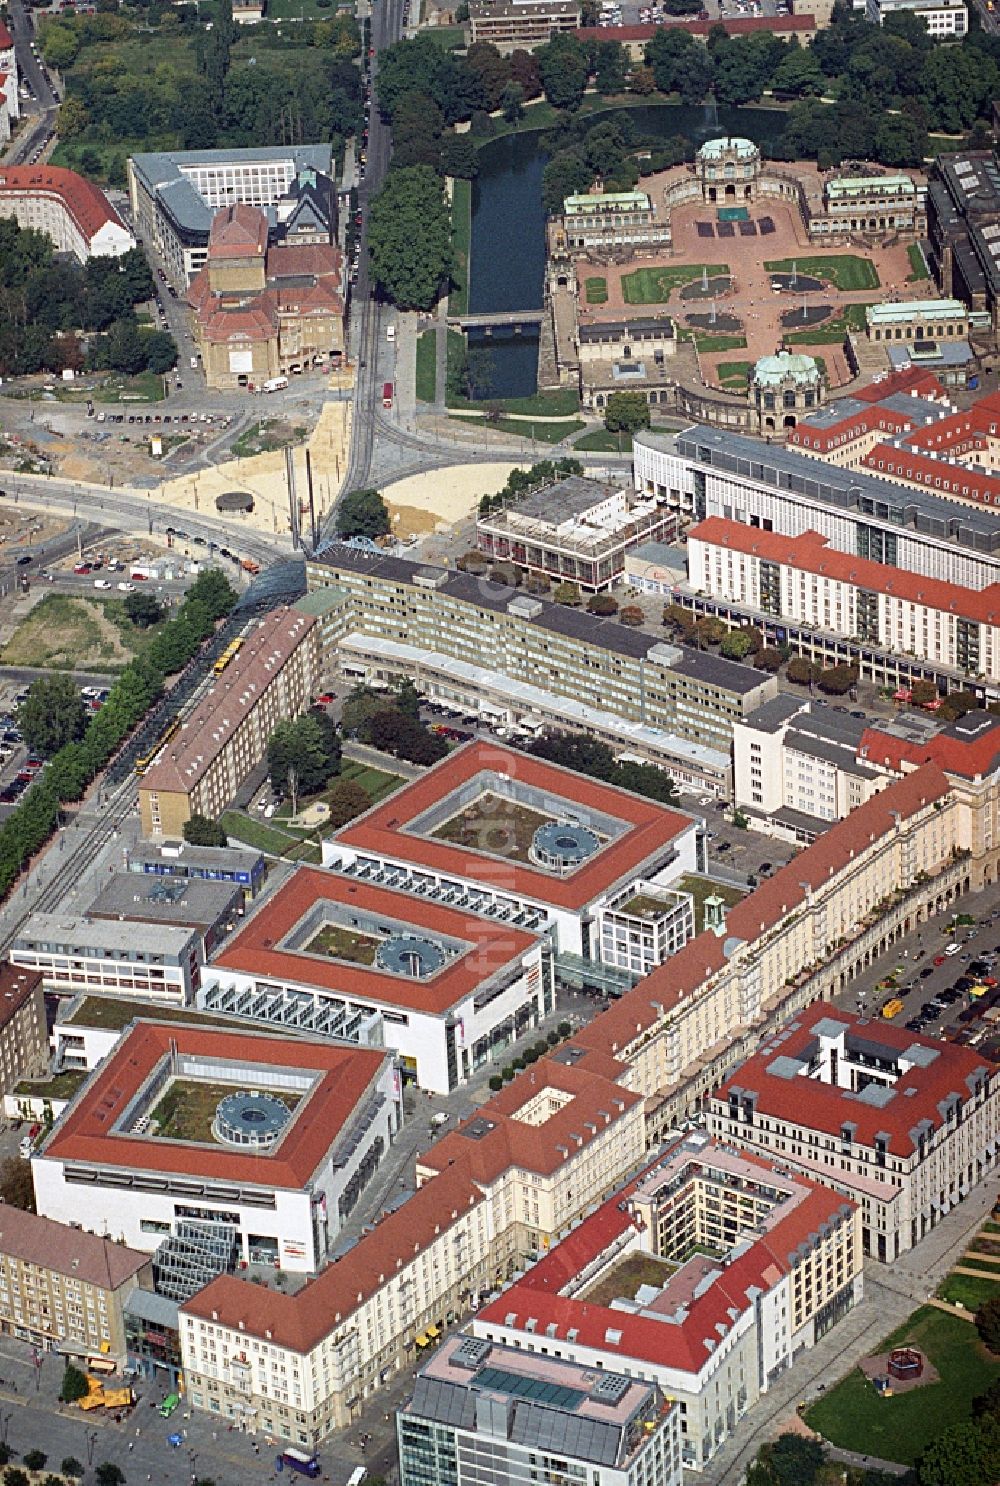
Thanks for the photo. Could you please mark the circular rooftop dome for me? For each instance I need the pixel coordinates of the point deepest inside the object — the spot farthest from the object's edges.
(561, 846)
(407, 954)
(250, 1119)
(786, 367)
(719, 149)
(234, 500)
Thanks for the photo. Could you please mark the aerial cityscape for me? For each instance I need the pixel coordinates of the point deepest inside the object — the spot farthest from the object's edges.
(500, 742)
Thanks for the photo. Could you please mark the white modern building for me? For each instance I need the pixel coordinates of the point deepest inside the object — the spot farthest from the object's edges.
(261, 1143)
(475, 1402)
(81, 954)
(350, 958)
(904, 1125)
(520, 840)
(941, 17)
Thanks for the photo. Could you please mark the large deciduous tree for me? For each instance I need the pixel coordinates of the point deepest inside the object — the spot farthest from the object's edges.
(52, 714)
(409, 237)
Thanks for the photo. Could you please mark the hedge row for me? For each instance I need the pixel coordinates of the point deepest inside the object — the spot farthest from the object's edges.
(73, 768)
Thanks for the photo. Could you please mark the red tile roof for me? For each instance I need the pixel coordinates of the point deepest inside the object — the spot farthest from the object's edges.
(85, 1133)
(254, 949)
(687, 1344)
(624, 1020)
(301, 1321)
(815, 1105)
(949, 478)
(6, 40)
(595, 1104)
(970, 757)
(811, 553)
(294, 260)
(85, 203)
(913, 379)
(650, 827)
(238, 231)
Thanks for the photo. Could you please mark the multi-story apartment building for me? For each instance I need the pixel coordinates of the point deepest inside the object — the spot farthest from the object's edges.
(73, 212)
(511, 655)
(65, 1289)
(941, 17)
(272, 678)
(510, 24)
(904, 1125)
(874, 612)
(755, 1265)
(923, 529)
(475, 1403)
(24, 1040)
(575, 531)
(77, 954)
(517, 1148)
(301, 1365)
(803, 934)
(175, 194)
(797, 767)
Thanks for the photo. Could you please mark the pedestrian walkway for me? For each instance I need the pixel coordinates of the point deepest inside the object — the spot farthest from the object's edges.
(952, 1310)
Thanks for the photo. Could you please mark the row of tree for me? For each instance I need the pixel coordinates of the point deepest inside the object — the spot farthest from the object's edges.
(390, 722)
(79, 748)
(595, 759)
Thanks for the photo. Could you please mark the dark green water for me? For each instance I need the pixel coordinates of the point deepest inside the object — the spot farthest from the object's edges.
(508, 222)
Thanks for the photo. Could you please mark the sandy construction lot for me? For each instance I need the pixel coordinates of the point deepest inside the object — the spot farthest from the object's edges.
(438, 499)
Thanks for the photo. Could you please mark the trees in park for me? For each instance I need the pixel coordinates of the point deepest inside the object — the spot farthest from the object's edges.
(563, 70)
(409, 237)
(362, 513)
(200, 830)
(52, 714)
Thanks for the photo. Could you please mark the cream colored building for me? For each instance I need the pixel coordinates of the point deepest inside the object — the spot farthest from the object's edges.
(199, 770)
(63, 1288)
(903, 1125)
(510, 24)
(24, 1038)
(302, 1365)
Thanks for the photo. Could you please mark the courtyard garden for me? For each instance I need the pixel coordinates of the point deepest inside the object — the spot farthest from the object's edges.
(596, 290)
(188, 1106)
(341, 943)
(845, 271)
(655, 285)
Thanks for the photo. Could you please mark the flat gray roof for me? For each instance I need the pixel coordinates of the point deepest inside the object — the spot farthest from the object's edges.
(608, 634)
(45, 931)
(176, 901)
(770, 715)
(564, 500)
(161, 172)
(183, 857)
(855, 491)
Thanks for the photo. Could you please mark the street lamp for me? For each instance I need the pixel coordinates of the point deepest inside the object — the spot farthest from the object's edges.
(5, 1424)
(91, 1442)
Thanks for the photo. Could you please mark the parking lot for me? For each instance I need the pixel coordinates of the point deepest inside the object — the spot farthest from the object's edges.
(942, 980)
(19, 767)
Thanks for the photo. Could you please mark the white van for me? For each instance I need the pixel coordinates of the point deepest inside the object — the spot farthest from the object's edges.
(25, 1147)
(390, 332)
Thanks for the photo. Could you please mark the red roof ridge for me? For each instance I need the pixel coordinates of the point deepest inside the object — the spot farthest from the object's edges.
(86, 203)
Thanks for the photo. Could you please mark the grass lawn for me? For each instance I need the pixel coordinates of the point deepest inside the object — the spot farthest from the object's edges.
(705, 341)
(68, 633)
(109, 1012)
(493, 824)
(427, 366)
(61, 1086)
(257, 833)
(733, 374)
(967, 1290)
(845, 271)
(990, 1227)
(188, 1106)
(450, 37)
(655, 285)
(599, 441)
(376, 783)
(853, 1416)
(299, 10)
(265, 435)
(918, 264)
(543, 433)
(461, 242)
(596, 289)
(851, 317)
